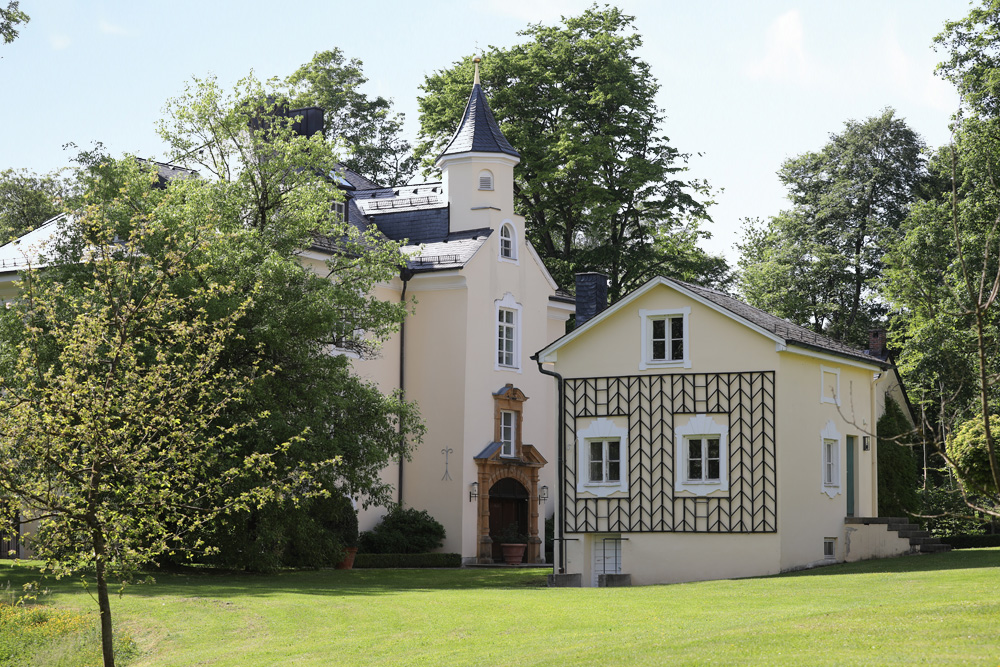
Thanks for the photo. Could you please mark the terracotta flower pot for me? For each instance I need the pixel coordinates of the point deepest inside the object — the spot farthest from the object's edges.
(348, 562)
(513, 554)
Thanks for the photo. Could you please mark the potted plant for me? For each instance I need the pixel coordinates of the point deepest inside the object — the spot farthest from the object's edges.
(513, 542)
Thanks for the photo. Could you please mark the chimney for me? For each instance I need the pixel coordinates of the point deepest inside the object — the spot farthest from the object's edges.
(591, 296)
(876, 343)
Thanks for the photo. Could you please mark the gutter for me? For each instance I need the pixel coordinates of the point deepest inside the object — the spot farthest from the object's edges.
(560, 466)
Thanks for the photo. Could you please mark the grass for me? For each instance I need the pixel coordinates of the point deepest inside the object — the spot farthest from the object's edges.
(934, 609)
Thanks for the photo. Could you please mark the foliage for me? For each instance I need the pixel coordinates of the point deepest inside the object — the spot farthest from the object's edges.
(366, 129)
(37, 635)
(403, 531)
(110, 437)
(274, 183)
(898, 468)
(968, 453)
(27, 200)
(600, 186)
(512, 534)
(818, 263)
(944, 511)
(382, 561)
(973, 541)
(9, 18)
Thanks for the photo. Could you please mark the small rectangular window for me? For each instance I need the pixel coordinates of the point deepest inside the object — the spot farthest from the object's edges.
(507, 433)
(704, 458)
(339, 211)
(829, 462)
(505, 337)
(668, 339)
(605, 461)
(829, 547)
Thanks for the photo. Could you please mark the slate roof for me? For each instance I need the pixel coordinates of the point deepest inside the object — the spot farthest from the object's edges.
(792, 333)
(478, 131)
(453, 252)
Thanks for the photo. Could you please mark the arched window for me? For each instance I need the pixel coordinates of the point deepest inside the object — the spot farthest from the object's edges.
(486, 180)
(508, 242)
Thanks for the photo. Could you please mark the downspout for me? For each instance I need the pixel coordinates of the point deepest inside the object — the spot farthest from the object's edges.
(404, 275)
(560, 465)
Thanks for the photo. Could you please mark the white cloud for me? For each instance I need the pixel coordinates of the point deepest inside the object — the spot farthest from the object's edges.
(59, 41)
(785, 56)
(109, 28)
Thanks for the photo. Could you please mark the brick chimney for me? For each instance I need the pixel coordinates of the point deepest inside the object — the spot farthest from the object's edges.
(591, 295)
(876, 343)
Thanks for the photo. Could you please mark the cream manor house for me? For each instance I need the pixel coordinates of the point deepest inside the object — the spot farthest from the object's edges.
(676, 435)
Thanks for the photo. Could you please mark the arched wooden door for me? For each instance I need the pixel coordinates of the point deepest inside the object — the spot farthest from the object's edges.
(508, 504)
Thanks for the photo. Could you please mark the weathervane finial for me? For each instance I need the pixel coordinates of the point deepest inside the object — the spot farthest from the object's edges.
(475, 80)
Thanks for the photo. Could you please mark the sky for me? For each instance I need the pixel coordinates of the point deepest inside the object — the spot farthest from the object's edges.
(744, 86)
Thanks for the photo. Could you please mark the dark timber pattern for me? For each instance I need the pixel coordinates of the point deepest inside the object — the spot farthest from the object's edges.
(651, 403)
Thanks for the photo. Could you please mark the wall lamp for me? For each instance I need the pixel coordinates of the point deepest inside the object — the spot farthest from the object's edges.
(543, 494)
(866, 442)
(473, 491)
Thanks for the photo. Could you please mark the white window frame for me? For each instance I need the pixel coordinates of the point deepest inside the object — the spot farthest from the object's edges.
(605, 460)
(511, 239)
(601, 430)
(508, 433)
(830, 464)
(340, 210)
(507, 305)
(646, 317)
(830, 548)
(701, 426)
(486, 178)
(703, 459)
(823, 398)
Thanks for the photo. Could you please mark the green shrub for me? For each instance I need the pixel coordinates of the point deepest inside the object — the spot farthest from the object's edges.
(403, 531)
(968, 451)
(898, 467)
(323, 528)
(973, 541)
(383, 561)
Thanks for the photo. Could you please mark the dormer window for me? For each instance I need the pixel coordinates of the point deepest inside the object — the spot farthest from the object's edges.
(486, 180)
(508, 242)
(339, 211)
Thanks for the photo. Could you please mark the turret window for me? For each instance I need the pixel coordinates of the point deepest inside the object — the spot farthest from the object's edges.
(486, 180)
(508, 242)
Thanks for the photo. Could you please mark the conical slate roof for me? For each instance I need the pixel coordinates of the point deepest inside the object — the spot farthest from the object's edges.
(478, 132)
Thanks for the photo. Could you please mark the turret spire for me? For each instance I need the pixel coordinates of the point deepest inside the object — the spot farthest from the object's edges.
(478, 132)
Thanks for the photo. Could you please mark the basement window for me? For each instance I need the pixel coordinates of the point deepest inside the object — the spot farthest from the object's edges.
(829, 548)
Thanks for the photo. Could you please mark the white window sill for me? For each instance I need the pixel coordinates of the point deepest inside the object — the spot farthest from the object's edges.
(682, 363)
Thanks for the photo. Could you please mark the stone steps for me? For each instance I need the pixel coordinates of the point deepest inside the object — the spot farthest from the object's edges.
(920, 540)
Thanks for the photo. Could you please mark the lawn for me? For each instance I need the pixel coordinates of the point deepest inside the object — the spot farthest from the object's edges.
(933, 609)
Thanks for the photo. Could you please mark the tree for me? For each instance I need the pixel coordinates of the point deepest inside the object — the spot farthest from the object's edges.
(897, 466)
(366, 129)
(945, 275)
(27, 200)
(275, 186)
(9, 18)
(818, 263)
(110, 407)
(599, 185)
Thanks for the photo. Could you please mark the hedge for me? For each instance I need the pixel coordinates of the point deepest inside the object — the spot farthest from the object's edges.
(972, 541)
(371, 561)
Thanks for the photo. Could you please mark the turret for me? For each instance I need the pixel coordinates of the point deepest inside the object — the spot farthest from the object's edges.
(477, 166)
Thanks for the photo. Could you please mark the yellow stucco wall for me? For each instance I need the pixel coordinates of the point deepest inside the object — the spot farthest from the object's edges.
(807, 510)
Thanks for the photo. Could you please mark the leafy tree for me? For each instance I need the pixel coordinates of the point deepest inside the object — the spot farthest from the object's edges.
(27, 200)
(273, 184)
(366, 129)
(945, 274)
(110, 430)
(9, 18)
(599, 185)
(818, 263)
(897, 466)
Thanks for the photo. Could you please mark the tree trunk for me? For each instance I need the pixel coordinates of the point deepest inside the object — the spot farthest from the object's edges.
(103, 602)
